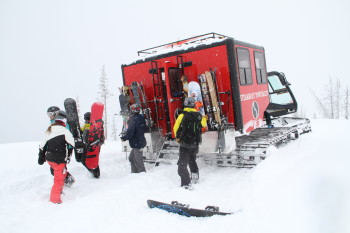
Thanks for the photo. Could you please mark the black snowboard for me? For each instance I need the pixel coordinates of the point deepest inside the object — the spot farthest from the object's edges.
(184, 210)
(74, 127)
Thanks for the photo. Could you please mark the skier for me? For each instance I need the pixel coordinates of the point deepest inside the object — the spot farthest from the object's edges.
(136, 136)
(85, 129)
(187, 130)
(54, 149)
(52, 112)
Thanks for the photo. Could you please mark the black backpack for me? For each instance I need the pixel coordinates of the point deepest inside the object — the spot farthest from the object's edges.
(190, 128)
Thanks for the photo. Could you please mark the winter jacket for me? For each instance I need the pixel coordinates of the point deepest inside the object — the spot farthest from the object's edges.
(136, 131)
(55, 145)
(178, 123)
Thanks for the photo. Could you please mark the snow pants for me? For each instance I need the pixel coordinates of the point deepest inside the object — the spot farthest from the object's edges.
(187, 157)
(136, 161)
(60, 173)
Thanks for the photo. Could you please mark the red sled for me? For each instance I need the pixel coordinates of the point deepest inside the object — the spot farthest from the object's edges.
(96, 136)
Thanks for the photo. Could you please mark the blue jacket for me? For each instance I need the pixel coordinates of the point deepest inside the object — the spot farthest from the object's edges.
(136, 131)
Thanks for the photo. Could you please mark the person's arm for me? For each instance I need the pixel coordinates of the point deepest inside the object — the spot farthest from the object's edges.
(71, 143)
(42, 151)
(177, 123)
(69, 138)
(204, 124)
(130, 131)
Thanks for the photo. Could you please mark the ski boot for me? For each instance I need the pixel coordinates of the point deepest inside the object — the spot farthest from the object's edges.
(96, 172)
(187, 187)
(69, 180)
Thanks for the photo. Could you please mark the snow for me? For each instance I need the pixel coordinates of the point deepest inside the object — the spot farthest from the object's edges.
(173, 47)
(302, 187)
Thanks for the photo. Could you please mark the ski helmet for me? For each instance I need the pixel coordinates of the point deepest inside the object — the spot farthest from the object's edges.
(189, 102)
(135, 108)
(87, 116)
(61, 116)
(52, 111)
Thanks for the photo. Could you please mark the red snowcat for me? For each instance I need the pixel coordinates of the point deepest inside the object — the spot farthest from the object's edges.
(244, 104)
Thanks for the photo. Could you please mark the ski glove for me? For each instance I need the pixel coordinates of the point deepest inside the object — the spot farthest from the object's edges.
(41, 159)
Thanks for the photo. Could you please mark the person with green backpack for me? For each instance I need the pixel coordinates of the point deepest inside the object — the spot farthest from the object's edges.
(188, 132)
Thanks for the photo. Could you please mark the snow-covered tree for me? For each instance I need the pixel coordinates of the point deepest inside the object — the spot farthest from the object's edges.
(337, 97)
(346, 103)
(78, 109)
(114, 129)
(103, 95)
(330, 104)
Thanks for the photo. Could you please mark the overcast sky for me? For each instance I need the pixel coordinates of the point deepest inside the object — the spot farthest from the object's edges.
(52, 50)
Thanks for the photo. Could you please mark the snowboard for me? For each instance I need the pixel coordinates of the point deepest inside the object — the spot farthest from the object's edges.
(194, 90)
(213, 96)
(74, 127)
(95, 136)
(184, 210)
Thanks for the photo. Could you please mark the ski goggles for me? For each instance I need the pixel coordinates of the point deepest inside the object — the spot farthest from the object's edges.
(51, 115)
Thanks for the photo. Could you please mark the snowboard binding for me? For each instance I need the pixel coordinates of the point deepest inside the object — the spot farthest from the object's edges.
(212, 208)
(176, 203)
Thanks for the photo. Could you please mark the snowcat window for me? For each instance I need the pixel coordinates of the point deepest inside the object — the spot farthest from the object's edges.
(245, 72)
(278, 93)
(260, 67)
(175, 82)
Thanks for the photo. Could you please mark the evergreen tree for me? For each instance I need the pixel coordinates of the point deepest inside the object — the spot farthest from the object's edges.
(103, 95)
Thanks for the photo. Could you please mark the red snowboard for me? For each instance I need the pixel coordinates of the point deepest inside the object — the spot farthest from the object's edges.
(96, 136)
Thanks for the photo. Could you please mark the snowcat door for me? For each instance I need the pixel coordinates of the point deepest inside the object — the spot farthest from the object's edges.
(174, 91)
(282, 100)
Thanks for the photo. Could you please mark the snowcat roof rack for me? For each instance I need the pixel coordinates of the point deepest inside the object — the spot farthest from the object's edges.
(187, 41)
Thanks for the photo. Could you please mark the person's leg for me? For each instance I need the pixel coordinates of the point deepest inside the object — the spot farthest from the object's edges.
(132, 161)
(182, 166)
(138, 161)
(96, 172)
(193, 165)
(60, 174)
(192, 160)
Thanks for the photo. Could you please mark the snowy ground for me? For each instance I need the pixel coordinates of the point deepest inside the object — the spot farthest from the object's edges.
(303, 187)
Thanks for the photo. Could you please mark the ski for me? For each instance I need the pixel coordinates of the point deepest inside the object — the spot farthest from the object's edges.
(213, 97)
(206, 99)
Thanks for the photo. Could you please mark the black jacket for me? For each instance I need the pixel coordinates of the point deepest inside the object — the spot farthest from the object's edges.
(136, 131)
(56, 144)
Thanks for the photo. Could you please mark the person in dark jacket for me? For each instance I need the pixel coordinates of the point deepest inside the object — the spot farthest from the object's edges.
(136, 136)
(56, 149)
(189, 141)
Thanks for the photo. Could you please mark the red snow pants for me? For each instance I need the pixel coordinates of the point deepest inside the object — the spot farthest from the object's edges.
(60, 173)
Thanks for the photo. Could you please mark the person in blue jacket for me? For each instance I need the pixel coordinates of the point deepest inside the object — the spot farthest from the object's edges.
(136, 136)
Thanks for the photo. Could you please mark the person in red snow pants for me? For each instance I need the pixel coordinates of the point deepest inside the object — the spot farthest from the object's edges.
(57, 149)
